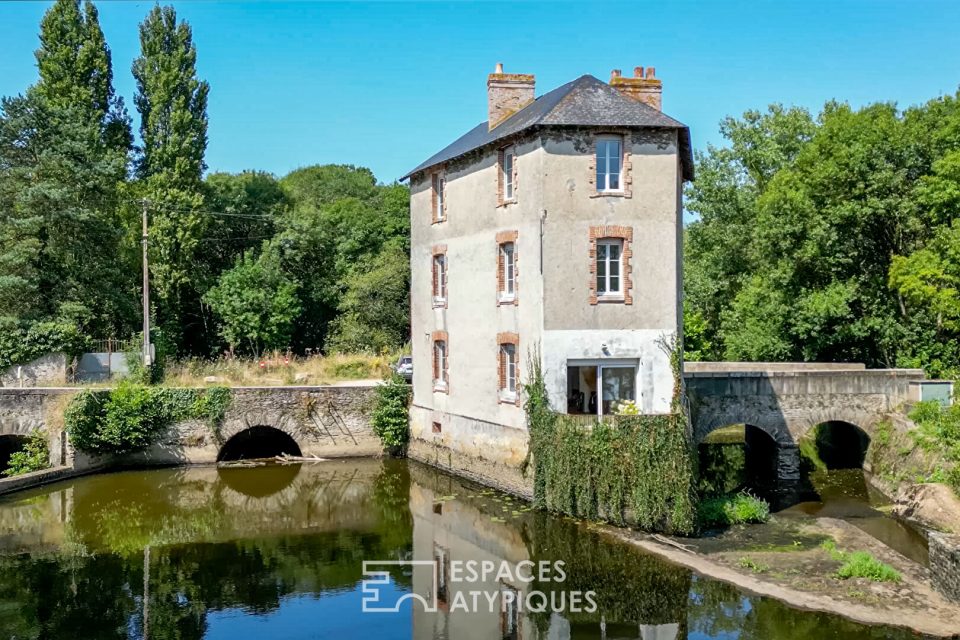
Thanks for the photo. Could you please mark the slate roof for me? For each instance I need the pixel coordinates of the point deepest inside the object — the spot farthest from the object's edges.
(584, 102)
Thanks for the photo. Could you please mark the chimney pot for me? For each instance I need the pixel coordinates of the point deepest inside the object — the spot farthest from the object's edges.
(643, 87)
(499, 68)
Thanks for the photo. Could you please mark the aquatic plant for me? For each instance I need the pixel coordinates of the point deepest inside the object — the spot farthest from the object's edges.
(740, 508)
(861, 564)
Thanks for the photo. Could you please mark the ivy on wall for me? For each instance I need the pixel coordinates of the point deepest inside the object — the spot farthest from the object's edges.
(131, 417)
(628, 468)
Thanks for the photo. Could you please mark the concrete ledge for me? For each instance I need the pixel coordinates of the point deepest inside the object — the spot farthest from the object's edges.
(40, 478)
(769, 367)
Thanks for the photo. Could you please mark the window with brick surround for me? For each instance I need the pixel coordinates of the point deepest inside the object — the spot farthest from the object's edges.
(611, 278)
(508, 272)
(438, 186)
(439, 276)
(507, 176)
(609, 271)
(508, 371)
(507, 267)
(441, 359)
(609, 164)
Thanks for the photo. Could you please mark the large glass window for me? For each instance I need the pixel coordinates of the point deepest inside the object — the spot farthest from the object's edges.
(609, 164)
(609, 252)
(598, 389)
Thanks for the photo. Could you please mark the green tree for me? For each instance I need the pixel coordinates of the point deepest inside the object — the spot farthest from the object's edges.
(63, 155)
(256, 303)
(172, 103)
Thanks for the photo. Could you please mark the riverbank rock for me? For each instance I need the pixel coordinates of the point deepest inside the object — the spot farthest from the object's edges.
(933, 505)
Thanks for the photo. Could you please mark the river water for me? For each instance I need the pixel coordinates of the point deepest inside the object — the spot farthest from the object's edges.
(279, 552)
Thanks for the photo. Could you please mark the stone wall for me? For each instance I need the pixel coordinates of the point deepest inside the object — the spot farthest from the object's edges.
(945, 564)
(324, 421)
(48, 369)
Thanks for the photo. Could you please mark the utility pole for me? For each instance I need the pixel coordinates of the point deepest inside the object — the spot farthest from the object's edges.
(147, 360)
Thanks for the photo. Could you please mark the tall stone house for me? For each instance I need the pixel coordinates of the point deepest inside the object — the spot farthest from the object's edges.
(554, 231)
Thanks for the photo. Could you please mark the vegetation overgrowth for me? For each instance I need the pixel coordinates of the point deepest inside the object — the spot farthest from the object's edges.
(279, 369)
(131, 417)
(390, 420)
(34, 456)
(626, 468)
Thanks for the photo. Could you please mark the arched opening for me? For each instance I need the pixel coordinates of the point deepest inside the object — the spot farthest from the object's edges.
(9, 445)
(838, 445)
(258, 442)
(738, 457)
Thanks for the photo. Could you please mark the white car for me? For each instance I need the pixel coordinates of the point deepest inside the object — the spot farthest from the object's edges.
(405, 367)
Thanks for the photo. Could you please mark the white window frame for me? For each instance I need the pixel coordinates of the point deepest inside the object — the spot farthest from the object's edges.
(605, 244)
(439, 186)
(607, 363)
(508, 359)
(440, 359)
(603, 178)
(509, 271)
(439, 283)
(509, 189)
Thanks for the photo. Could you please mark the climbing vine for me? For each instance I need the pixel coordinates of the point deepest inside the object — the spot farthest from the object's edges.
(131, 417)
(626, 468)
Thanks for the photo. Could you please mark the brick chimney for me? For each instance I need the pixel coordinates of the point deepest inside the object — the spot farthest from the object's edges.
(507, 93)
(643, 86)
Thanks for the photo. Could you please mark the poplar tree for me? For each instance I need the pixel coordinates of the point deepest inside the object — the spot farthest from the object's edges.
(172, 103)
(63, 156)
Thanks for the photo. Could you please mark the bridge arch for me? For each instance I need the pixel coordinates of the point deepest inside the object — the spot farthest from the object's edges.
(259, 441)
(10, 444)
(839, 444)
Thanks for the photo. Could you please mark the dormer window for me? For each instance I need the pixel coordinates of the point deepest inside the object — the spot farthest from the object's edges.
(609, 164)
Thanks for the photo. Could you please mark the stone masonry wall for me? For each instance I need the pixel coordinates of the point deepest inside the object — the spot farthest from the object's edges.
(945, 564)
(324, 421)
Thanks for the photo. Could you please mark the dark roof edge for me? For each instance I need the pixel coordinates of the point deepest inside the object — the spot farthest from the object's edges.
(685, 147)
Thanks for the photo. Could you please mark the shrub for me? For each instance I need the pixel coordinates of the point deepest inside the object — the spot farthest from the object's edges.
(391, 414)
(131, 417)
(20, 344)
(861, 564)
(741, 508)
(35, 455)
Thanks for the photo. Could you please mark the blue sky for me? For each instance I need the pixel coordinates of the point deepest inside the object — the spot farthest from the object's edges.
(386, 85)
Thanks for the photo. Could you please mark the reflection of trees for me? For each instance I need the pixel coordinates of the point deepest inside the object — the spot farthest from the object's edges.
(630, 586)
(191, 569)
(63, 597)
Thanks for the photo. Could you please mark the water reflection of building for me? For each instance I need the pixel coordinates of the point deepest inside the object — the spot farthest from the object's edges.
(638, 596)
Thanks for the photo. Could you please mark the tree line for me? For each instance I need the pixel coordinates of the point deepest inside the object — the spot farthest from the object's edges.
(317, 259)
(828, 237)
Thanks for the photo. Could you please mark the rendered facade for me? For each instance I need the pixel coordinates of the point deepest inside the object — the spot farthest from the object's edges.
(551, 231)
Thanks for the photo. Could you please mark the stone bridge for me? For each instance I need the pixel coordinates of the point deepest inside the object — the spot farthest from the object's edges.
(327, 421)
(787, 400)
